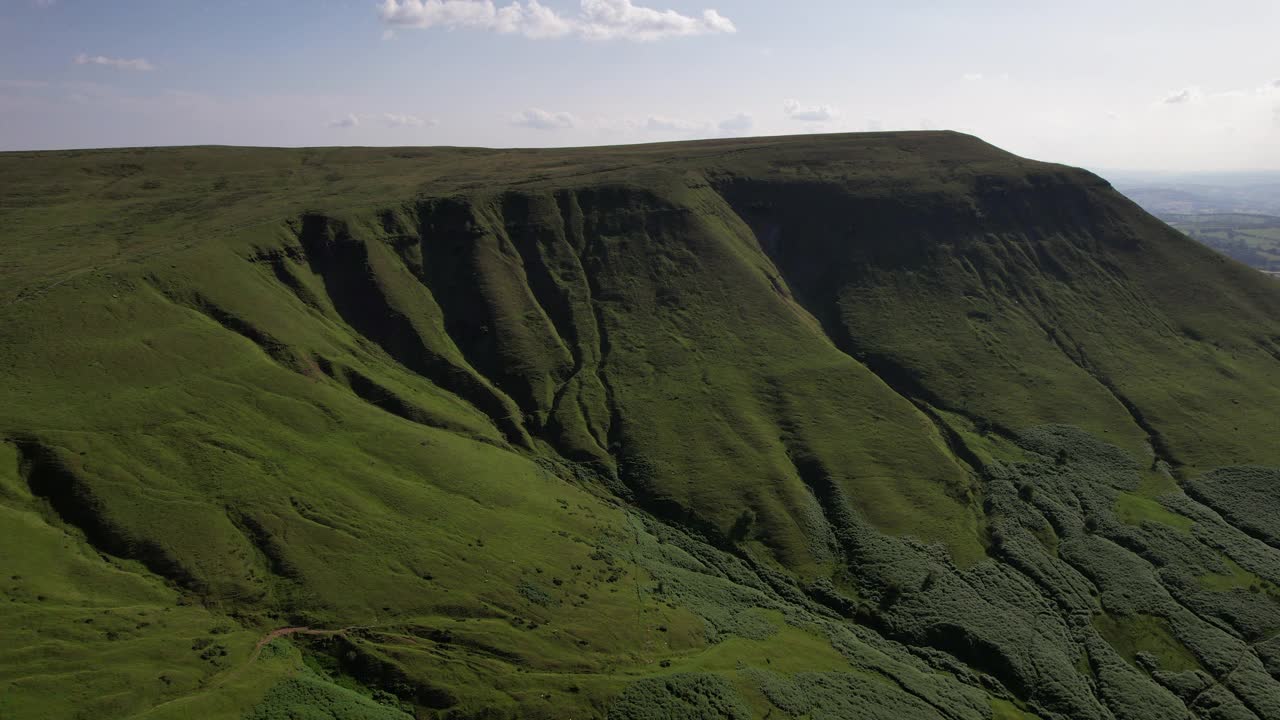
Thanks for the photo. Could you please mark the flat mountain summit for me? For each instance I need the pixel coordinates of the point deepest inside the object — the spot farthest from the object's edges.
(880, 425)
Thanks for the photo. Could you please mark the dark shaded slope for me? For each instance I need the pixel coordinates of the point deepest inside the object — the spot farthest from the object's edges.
(1074, 305)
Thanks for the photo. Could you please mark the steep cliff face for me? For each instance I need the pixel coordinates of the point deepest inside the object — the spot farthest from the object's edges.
(877, 425)
(1042, 297)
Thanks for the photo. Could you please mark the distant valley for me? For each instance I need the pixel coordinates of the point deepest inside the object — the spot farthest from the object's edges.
(1237, 214)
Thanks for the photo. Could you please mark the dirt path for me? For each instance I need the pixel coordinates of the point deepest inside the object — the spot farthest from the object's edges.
(287, 631)
(273, 635)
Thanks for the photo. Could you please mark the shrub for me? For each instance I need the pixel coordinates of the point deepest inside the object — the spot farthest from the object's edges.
(691, 696)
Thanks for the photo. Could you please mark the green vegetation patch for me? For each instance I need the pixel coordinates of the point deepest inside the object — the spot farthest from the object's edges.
(838, 695)
(1236, 578)
(1134, 634)
(691, 696)
(1245, 496)
(1134, 509)
(1005, 710)
(308, 696)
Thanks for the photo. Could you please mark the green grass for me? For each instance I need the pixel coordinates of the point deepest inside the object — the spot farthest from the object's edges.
(1134, 634)
(421, 398)
(308, 694)
(1237, 578)
(1005, 710)
(1136, 510)
(88, 634)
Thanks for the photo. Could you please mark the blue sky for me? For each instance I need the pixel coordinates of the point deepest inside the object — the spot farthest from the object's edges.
(1133, 84)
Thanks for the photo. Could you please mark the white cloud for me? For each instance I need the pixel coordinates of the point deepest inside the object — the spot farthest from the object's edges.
(543, 120)
(733, 126)
(403, 120)
(118, 63)
(347, 121)
(808, 113)
(595, 20)
(658, 123)
(392, 120)
(972, 77)
(740, 123)
(1192, 94)
(1182, 97)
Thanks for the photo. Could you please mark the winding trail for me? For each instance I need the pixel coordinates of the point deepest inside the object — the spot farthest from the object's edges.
(273, 635)
(287, 631)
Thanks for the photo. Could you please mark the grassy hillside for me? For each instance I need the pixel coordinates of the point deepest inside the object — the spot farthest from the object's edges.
(882, 425)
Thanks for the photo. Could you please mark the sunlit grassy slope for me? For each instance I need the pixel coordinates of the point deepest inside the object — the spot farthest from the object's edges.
(885, 425)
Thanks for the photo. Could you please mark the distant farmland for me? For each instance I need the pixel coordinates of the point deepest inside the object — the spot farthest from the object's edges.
(1251, 239)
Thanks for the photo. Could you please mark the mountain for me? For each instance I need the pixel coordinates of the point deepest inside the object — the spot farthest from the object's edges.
(879, 425)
